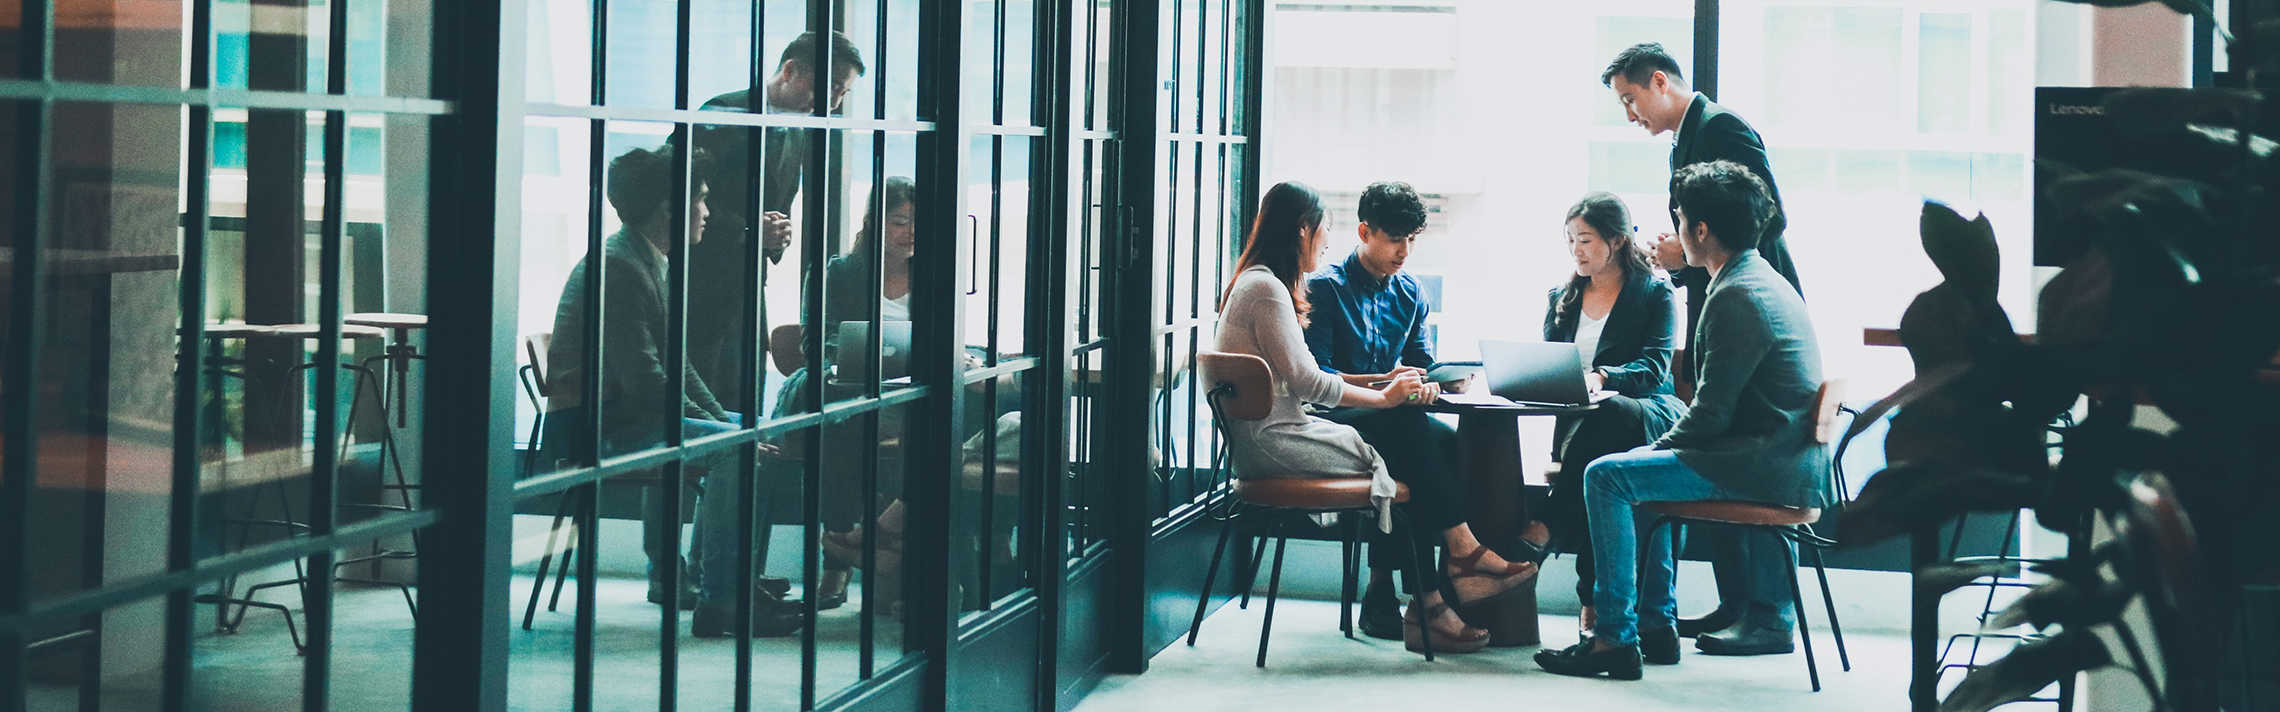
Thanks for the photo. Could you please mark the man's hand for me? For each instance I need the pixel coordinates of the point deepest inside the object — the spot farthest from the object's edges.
(1594, 380)
(775, 234)
(1400, 371)
(1668, 255)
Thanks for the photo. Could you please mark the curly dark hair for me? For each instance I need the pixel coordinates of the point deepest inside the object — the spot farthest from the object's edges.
(1638, 63)
(1393, 206)
(1725, 196)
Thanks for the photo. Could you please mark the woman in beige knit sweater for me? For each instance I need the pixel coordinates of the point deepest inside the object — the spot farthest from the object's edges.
(1262, 314)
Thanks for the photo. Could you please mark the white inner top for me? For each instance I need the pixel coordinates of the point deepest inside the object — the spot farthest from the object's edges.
(1587, 332)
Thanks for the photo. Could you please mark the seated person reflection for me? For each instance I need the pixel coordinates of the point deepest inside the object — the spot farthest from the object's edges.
(888, 239)
(1264, 311)
(1623, 320)
(889, 232)
(636, 399)
(1367, 326)
(1748, 436)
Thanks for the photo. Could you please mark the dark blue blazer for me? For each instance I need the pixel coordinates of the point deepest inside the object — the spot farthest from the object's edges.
(1634, 347)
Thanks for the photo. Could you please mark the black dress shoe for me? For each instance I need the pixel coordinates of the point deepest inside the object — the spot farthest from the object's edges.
(1618, 663)
(777, 585)
(1718, 620)
(688, 598)
(1381, 614)
(771, 618)
(1746, 640)
(1658, 646)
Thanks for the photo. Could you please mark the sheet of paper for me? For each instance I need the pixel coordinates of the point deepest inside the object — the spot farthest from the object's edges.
(1487, 399)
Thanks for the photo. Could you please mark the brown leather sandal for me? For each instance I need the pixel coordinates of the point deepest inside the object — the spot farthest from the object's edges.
(1459, 568)
(1414, 630)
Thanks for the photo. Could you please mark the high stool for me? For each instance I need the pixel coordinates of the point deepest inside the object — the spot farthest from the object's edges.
(1792, 523)
(1241, 387)
(290, 524)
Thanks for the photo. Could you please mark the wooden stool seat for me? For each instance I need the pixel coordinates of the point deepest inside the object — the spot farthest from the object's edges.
(1313, 493)
(1729, 511)
(387, 320)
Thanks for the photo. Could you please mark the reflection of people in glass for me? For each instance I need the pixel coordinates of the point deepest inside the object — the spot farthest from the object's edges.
(889, 238)
(1621, 318)
(1264, 314)
(635, 383)
(719, 268)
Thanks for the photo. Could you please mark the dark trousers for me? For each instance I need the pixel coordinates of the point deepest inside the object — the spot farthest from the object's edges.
(1618, 425)
(1420, 452)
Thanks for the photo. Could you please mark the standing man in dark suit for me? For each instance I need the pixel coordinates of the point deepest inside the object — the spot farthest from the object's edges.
(718, 272)
(1654, 95)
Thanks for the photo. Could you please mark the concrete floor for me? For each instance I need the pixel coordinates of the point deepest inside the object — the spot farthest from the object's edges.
(255, 670)
(1311, 666)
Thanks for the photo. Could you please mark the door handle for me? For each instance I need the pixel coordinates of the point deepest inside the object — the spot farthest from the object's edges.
(973, 255)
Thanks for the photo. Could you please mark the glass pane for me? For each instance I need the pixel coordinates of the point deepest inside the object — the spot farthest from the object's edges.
(641, 53)
(556, 155)
(722, 60)
(391, 47)
(1020, 39)
(11, 49)
(898, 61)
(539, 658)
(110, 42)
(558, 58)
(636, 406)
(105, 381)
(248, 656)
(992, 532)
(978, 97)
(100, 661)
(373, 629)
(266, 46)
(1943, 73)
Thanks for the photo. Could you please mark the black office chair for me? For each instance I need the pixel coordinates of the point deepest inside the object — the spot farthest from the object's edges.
(1792, 523)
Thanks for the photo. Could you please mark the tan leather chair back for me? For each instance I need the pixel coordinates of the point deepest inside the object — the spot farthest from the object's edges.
(1825, 410)
(1249, 386)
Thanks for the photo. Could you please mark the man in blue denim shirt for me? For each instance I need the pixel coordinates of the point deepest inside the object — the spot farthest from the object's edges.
(1368, 324)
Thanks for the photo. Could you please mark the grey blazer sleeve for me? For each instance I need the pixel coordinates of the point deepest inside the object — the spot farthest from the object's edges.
(1734, 340)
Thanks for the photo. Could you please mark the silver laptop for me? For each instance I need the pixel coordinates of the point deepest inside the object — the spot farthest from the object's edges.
(1536, 373)
(894, 350)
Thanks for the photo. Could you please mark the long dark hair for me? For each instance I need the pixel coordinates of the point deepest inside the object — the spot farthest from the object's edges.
(1278, 234)
(899, 191)
(1607, 216)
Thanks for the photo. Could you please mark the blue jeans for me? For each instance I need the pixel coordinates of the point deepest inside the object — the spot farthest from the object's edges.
(1613, 486)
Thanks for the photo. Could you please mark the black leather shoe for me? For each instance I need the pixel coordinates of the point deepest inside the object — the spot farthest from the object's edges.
(777, 585)
(1658, 646)
(1618, 663)
(771, 618)
(1718, 620)
(1746, 640)
(1381, 613)
(688, 598)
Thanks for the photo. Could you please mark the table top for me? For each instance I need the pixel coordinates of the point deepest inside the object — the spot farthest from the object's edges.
(310, 331)
(387, 320)
(1509, 410)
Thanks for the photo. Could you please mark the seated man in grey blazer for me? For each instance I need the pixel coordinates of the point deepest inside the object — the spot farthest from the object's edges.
(1748, 436)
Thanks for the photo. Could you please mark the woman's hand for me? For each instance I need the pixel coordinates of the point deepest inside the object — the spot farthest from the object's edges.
(1402, 391)
(1400, 371)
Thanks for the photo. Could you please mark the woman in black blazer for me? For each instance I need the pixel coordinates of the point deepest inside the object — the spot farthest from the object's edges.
(1626, 315)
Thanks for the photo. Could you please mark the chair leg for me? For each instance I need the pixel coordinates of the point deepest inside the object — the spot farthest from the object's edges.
(1274, 586)
(570, 552)
(1830, 602)
(1251, 579)
(538, 582)
(1415, 552)
(1346, 548)
(1804, 633)
(1203, 599)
